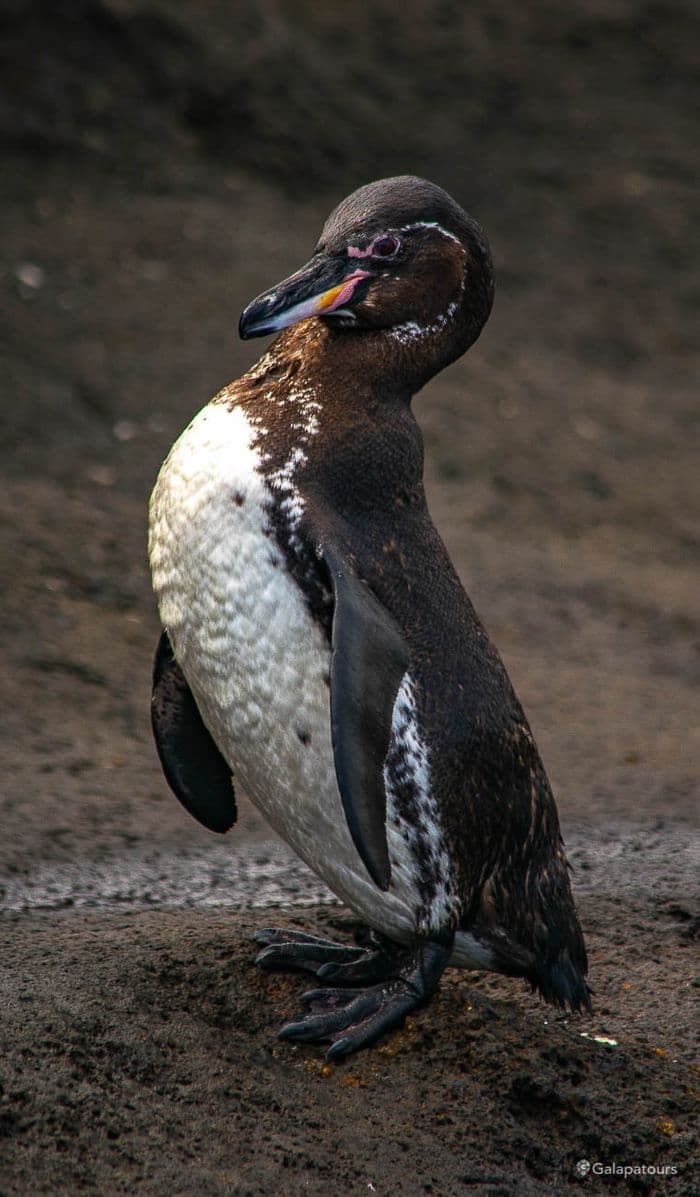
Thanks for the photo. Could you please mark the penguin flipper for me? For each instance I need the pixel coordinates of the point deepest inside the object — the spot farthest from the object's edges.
(194, 768)
(369, 657)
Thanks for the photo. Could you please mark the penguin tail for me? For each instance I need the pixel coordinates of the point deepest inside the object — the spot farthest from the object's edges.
(560, 963)
(559, 976)
(562, 983)
(534, 933)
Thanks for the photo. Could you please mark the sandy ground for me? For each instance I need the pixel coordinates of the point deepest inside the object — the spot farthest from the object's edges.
(162, 167)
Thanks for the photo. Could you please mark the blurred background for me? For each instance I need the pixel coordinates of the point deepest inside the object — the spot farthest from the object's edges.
(164, 161)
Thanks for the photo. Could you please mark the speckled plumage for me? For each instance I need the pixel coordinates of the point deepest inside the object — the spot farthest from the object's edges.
(258, 662)
(312, 608)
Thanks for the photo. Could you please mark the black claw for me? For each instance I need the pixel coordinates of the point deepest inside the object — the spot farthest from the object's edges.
(306, 957)
(376, 986)
(266, 958)
(341, 1047)
(289, 1030)
(369, 968)
(327, 999)
(280, 935)
(283, 948)
(326, 995)
(314, 1028)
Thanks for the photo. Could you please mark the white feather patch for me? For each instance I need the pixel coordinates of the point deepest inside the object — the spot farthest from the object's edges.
(258, 664)
(415, 838)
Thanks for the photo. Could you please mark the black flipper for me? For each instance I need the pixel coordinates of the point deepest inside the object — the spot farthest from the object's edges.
(368, 660)
(194, 768)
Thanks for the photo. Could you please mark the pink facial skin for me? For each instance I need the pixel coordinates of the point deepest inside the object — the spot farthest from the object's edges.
(347, 288)
(354, 252)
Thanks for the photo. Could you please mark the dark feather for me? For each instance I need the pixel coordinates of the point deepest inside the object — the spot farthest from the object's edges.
(195, 769)
(368, 660)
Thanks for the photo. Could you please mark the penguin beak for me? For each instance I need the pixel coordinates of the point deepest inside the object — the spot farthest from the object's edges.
(323, 287)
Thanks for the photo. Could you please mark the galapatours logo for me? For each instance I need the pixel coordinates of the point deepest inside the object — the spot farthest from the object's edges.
(584, 1167)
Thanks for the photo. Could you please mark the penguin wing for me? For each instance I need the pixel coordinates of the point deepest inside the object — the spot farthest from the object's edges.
(194, 768)
(369, 657)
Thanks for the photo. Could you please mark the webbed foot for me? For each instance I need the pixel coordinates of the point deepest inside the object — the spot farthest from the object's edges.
(351, 1017)
(284, 948)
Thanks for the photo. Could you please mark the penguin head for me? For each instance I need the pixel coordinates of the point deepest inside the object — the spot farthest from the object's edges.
(397, 258)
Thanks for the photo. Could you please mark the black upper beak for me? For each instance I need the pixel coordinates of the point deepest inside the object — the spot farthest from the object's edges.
(323, 286)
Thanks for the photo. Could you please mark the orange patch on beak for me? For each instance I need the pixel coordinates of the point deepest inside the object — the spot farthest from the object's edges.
(335, 297)
(326, 301)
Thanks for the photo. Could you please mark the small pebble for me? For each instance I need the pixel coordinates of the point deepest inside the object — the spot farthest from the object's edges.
(125, 430)
(29, 275)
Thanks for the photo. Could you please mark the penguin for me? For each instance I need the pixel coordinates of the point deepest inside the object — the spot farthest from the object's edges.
(319, 649)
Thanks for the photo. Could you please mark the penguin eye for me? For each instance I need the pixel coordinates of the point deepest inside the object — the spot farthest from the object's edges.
(386, 246)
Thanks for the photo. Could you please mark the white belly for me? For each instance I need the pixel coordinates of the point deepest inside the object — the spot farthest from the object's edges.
(256, 661)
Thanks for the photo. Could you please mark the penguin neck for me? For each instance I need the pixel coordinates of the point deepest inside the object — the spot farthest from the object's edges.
(336, 418)
(357, 369)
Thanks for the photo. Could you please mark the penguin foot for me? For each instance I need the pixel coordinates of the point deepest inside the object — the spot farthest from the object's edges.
(286, 949)
(352, 1019)
(327, 960)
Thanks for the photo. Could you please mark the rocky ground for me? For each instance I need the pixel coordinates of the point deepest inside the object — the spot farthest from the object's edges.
(164, 162)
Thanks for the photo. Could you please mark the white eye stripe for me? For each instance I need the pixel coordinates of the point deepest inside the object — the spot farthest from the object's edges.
(355, 252)
(429, 224)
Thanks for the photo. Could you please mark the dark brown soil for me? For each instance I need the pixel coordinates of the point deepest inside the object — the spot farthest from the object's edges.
(164, 162)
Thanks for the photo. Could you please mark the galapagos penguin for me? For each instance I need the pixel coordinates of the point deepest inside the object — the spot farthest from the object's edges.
(319, 648)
